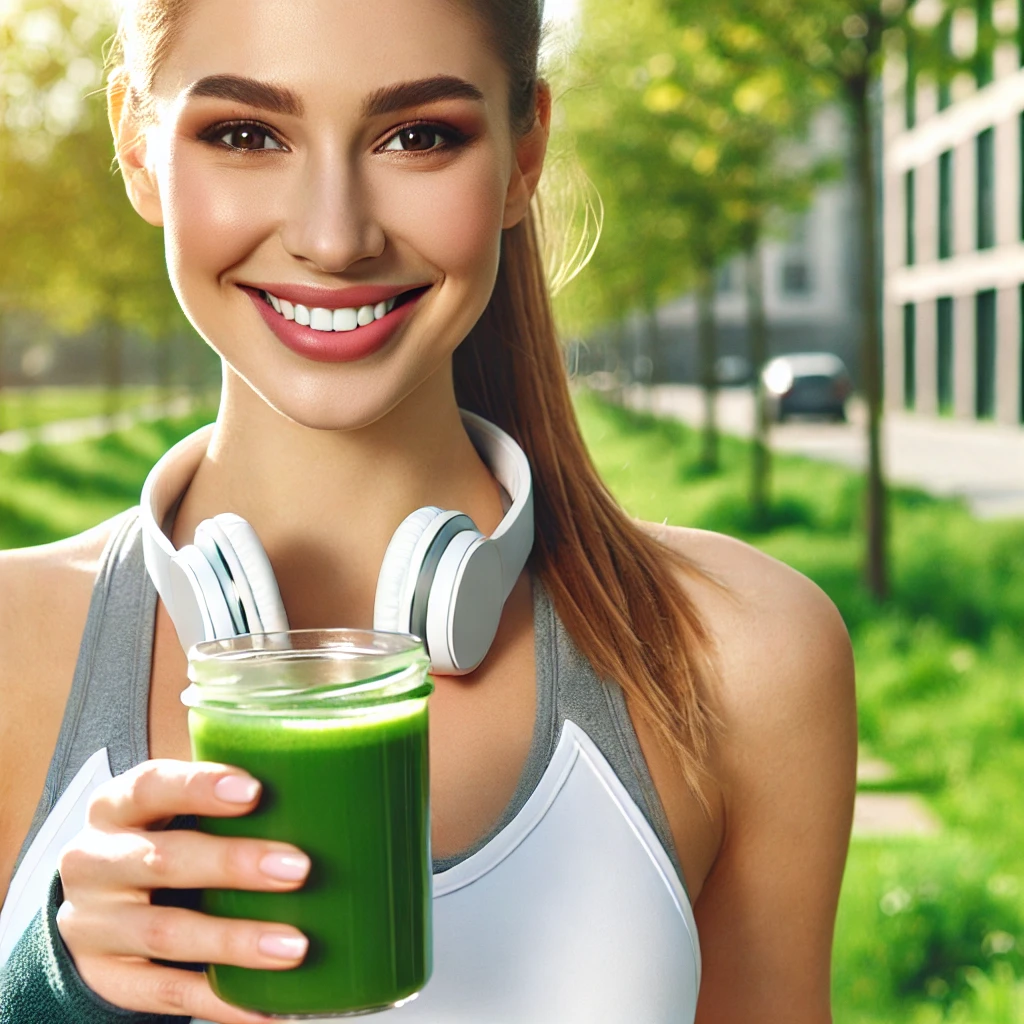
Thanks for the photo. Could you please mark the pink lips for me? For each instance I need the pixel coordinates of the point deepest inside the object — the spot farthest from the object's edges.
(334, 346)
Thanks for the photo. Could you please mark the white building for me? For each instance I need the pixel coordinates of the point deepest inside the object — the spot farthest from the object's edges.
(954, 231)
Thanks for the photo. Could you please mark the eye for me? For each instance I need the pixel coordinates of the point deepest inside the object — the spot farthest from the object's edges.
(419, 138)
(245, 137)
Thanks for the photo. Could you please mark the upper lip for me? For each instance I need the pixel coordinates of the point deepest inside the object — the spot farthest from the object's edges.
(314, 297)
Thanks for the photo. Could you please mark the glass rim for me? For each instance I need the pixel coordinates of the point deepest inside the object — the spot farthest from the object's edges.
(307, 671)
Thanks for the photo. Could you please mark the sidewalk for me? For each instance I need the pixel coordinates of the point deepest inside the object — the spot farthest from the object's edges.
(980, 462)
(67, 431)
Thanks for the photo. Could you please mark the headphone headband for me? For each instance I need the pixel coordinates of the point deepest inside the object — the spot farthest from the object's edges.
(197, 613)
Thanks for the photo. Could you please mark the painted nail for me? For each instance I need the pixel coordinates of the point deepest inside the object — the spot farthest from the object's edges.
(285, 867)
(236, 789)
(283, 947)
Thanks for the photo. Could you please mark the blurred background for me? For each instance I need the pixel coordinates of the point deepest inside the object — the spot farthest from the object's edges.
(803, 325)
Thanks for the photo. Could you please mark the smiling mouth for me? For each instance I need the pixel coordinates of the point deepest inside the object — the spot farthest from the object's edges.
(350, 318)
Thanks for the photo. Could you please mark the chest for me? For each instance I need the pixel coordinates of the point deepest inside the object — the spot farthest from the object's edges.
(481, 727)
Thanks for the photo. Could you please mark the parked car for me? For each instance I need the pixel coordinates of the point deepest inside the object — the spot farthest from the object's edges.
(811, 383)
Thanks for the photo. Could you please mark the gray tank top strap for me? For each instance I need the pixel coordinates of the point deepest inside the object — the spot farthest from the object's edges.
(568, 687)
(109, 699)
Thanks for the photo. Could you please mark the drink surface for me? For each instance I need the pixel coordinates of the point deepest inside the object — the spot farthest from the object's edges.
(353, 793)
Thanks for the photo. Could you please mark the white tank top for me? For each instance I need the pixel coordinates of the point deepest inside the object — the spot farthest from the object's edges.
(571, 912)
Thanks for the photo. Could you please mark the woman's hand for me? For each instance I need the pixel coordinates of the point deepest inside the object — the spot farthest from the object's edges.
(111, 867)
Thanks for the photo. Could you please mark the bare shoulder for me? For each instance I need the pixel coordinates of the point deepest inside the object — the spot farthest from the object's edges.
(781, 645)
(784, 761)
(44, 601)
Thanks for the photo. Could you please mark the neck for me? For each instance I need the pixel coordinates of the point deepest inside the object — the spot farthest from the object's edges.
(325, 503)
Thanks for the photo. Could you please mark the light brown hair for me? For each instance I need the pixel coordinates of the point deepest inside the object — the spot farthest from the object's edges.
(616, 589)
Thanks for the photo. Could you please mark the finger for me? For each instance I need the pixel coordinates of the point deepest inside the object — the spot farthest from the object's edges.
(169, 933)
(144, 987)
(120, 861)
(156, 790)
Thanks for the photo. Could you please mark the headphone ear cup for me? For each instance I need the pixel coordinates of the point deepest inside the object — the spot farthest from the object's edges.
(257, 570)
(465, 606)
(392, 606)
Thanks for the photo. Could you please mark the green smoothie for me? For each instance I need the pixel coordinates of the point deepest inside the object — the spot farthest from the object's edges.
(352, 791)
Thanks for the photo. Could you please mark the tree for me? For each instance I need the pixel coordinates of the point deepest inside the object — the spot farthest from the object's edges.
(74, 251)
(686, 129)
(841, 45)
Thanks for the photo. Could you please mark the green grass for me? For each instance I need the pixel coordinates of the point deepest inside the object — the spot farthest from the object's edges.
(930, 931)
(25, 408)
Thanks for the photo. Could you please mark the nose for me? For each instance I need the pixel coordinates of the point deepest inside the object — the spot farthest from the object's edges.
(330, 221)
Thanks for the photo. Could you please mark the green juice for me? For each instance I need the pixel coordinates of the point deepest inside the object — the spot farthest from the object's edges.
(352, 792)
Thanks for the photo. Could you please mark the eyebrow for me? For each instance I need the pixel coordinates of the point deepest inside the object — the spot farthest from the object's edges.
(280, 100)
(275, 98)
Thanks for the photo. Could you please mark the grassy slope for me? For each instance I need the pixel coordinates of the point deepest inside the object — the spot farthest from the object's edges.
(929, 930)
(33, 407)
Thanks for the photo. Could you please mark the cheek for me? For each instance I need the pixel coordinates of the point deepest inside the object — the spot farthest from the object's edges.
(453, 218)
(210, 224)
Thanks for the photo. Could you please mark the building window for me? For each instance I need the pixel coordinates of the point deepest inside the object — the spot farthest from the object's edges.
(985, 355)
(910, 91)
(796, 261)
(909, 356)
(944, 361)
(911, 217)
(986, 189)
(984, 56)
(946, 204)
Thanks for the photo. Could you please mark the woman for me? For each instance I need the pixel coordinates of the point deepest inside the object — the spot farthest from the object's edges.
(307, 148)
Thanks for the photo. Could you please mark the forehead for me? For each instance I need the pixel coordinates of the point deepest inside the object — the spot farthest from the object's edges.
(331, 51)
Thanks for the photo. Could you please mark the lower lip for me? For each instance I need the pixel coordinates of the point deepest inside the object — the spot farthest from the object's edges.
(332, 346)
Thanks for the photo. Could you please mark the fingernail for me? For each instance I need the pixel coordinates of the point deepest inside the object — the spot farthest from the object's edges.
(284, 947)
(236, 789)
(285, 867)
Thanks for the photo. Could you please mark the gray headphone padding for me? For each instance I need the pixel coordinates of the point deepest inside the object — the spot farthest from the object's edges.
(428, 570)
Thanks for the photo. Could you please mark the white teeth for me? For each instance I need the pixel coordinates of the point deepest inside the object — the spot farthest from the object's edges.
(345, 320)
(321, 319)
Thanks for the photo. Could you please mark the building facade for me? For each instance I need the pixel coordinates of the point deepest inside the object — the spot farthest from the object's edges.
(954, 228)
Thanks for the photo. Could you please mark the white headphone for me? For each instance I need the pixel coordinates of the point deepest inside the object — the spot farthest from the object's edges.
(441, 579)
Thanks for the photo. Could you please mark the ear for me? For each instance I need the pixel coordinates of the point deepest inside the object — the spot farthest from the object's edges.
(530, 152)
(130, 143)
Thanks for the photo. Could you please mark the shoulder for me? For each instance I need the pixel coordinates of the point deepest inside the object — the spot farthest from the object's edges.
(44, 602)
(784, 762)
(781, 646)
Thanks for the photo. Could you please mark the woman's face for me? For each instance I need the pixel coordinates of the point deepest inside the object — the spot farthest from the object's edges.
(353, 158)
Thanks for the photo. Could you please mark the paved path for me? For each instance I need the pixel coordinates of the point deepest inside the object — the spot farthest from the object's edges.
(981, 462)
(67, 431)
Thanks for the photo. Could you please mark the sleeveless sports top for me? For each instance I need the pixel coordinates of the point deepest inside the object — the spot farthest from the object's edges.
(570, 910)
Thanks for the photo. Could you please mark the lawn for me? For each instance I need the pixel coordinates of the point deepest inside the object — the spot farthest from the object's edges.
(22, 408)
(930, 930)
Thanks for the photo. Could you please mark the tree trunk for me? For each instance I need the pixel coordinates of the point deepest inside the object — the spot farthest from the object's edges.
(3, 378)
(163, 367)
(757, 328)
(707, 345)
(876, 565)
(113, 369)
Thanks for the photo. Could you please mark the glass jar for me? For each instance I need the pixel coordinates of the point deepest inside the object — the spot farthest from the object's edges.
(334, 725)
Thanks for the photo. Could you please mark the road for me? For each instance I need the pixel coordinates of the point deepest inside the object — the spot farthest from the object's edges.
(981, 462)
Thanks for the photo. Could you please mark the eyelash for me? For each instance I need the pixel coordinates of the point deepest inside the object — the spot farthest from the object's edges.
(452, 137)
